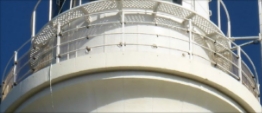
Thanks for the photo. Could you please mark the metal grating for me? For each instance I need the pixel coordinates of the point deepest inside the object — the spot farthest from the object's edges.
(94, 20)
(176, 11)
(100, 6)
(138, 4)
(160, 21)
(204, 25)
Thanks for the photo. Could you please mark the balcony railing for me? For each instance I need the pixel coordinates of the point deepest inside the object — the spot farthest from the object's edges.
(59, 40)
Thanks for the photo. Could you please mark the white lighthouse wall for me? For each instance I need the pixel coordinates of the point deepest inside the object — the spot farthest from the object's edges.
(133, 37)
(129, 91)
(37, 86)
(199, 6)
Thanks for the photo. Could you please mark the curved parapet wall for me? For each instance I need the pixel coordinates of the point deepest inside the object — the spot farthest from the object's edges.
(145, 81)
(126, 26)
(60, 6)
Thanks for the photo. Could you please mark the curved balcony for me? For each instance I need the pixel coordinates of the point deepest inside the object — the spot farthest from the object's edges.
(70, 35)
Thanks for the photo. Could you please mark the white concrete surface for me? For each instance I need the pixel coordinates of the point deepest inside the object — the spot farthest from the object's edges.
(129, 91)
(235, 94)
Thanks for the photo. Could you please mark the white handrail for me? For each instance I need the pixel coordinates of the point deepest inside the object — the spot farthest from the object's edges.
(33, 24)
(260, 34)
(218, 14)
(228, 19)
(50, 9)
(71, 4)
(80, 2)
(260, 14)
(219, 17)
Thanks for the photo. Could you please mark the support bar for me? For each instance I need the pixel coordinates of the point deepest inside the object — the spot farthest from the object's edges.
(71, 4)
(33, 24)
(15, 66)
(260, 34)
(58, 36)
(190, 40)
(260, 14)
(245, 38)
(80, 2)
(50, 9)
(228, 19)
(218, 14)
(239, 63)
(241, 45)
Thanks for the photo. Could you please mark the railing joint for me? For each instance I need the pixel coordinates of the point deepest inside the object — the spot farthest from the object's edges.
(215, 65)
(59, 56)
(155, 46)
(88, 49)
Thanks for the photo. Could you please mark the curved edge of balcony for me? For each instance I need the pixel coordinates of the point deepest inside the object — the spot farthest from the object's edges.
(132, 61)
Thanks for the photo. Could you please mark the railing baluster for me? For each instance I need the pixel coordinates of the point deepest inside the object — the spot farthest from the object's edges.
(80, 2)
(50, 9)
(58, 36)
(239, 64)
(15, 67)
(190, 39)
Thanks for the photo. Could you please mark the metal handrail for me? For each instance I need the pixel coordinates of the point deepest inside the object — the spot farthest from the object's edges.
(33, 19)
(6, 67)
(152, 23)
(228, 17)
(140, 44)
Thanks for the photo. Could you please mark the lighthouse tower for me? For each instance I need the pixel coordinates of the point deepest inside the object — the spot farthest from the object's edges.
(130, 56)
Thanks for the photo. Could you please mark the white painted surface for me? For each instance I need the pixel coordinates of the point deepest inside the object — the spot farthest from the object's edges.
(201, 7)
(133, 61)
(129, 91)
(140, 91)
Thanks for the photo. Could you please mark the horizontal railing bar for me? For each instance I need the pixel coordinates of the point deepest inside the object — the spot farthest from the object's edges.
(164, 15)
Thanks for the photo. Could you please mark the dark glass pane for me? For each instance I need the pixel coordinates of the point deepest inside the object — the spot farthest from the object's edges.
(178, 1)
(55, 8)
(65, 6)
(86, 1)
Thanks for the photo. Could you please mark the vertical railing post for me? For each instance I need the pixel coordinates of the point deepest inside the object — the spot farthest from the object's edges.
(123, 28)
(260, 38)
(239, 64)
(71, 4)
(50, 9)
(15, 67)
(190, 40)
(58, 36)
(80, 2)
(33, 24)
(218, 14)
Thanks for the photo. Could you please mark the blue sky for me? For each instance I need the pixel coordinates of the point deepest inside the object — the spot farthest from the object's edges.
(16, 15)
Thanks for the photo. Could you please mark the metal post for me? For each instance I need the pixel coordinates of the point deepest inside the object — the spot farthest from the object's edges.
(190, 39)
(260, 38)
(71, 4)
(15, 67)
(260, 14)
(58, 36)
(258, 87)
(228, 19)
(218, 14)
(80, 2)
(34, 19)
(229, 29)
(239, 63)
(33, 24)
(50, 9)
(123, 28)
(260, 35)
